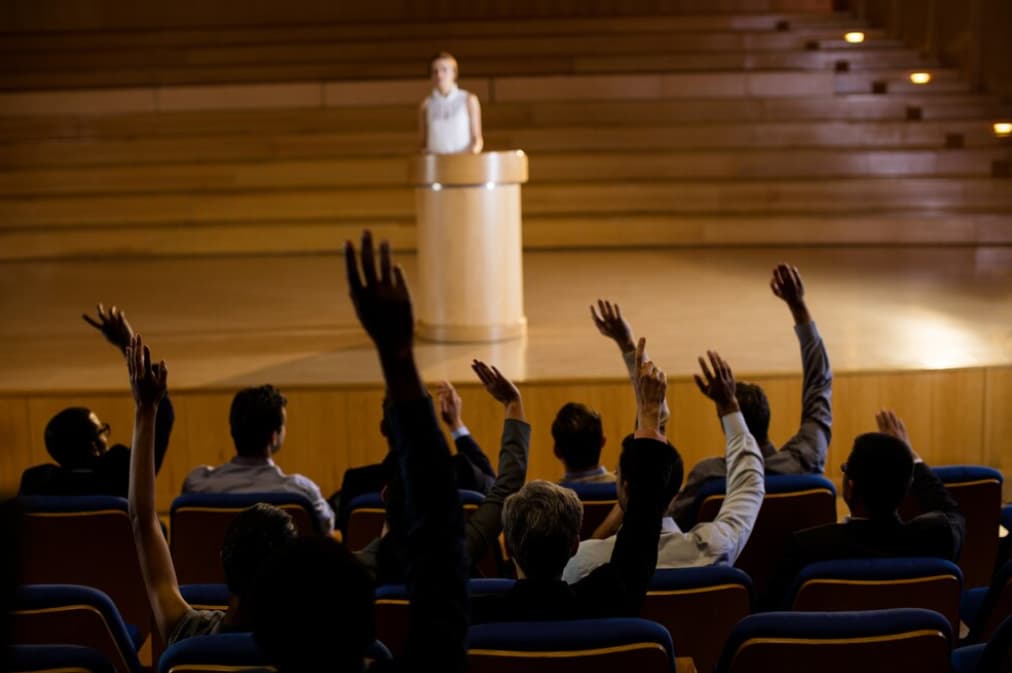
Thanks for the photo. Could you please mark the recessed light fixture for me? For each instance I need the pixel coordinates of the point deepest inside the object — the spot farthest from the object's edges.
(854, 37)
(1003, 129)
(920, 77)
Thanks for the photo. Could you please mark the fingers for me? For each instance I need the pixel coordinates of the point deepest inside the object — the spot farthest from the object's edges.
(351, 266)
(385, 265)
(598, 321)
(482, 370)
(702, 386)
(88, 319)
(399, 282)
(720, 366)
(706, 371)
(641, 349)
(368, 259)
(162, 374)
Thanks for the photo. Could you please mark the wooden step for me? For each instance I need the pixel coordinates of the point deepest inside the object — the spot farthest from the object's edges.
(536, 141)
(671, 196)
(43, 123)
(392, 30)
(911, 227)
(608, 167)
(128, 74)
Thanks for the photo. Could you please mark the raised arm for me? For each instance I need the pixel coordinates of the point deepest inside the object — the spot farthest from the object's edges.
(722, 539)
(148, 382)
(474, 114)
(647, 477)
(608, 319)
(450, 405)
(436, 564)
(806, 451)
(485, 524)
(116, 329)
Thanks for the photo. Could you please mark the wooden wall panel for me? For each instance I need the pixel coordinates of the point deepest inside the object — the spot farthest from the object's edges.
(954, 416)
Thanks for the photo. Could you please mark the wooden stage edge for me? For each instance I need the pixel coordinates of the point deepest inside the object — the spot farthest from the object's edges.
(954, 416)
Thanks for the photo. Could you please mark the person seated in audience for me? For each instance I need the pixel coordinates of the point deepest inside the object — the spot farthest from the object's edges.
(474, 471)
(541, 523)
(806, 451)
(385, 555)
(579, 438)
(313, 610)
(257, 420)
(250, 539)
(881, 469)
(717, 542)
(79, 441)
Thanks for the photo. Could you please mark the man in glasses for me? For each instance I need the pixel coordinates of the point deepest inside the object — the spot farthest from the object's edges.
(78, 440)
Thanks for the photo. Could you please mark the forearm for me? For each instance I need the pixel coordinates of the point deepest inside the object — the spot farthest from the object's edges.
(485, 523)
(400, 372)
(628, 349)
(799, 311)
(745, 488)
(164, 420)
(141, 493)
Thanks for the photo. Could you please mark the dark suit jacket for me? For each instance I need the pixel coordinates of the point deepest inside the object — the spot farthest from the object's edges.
(938, 533)
(110, 473)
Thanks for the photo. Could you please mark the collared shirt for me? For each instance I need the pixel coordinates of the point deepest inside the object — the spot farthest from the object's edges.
(258, 475)
(592, 476)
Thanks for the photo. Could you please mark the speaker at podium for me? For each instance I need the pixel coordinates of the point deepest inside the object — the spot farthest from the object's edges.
(470, 266)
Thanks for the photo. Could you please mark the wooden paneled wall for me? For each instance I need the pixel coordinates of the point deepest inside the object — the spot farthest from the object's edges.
(954, 416)
(44, 15)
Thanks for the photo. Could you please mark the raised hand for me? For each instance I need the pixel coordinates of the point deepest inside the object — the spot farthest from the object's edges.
(449, 405)
(147, 381)
(382, 302)
(651, 386)
(891, 424)
(787, 285)
(498, 386)
(719, 385)
(113, 325)
(610, 323)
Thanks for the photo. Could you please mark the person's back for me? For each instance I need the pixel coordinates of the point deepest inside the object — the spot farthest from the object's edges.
(257, 421)
(881, 470)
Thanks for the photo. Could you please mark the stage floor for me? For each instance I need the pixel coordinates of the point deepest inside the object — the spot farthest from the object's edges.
(225, 322)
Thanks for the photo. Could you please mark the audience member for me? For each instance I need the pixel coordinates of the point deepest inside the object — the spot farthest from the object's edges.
(257, 420)
(579, 438)
(314, 605)
(881, 469)
(806, 451)
(79, 441)
(250, 539)
(385, 555)
(541, 523)
(717, 542)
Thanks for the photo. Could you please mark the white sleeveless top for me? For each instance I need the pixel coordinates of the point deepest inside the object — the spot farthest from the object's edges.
(449, 122)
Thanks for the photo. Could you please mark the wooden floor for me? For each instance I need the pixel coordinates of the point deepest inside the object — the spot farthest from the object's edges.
(925, 330)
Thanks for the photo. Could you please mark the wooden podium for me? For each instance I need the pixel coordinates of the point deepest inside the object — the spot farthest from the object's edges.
(470, 271)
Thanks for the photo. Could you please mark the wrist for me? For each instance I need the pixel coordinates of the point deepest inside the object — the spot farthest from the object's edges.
(146, 408)
(515, 408)
(800, 312)
(728, 407)
(626, 345)
(456, 425)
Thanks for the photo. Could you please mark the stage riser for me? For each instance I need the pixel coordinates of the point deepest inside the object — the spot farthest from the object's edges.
(954, 416)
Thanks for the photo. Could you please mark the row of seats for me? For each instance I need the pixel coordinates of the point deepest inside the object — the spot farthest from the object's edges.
(735, 641)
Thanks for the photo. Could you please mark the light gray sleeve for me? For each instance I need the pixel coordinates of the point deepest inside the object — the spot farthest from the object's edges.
(805, 452)
(324, 514)
(722, 539)
(629, 357)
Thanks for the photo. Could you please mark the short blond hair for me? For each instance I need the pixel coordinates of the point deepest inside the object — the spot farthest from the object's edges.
(540, 522)
(445, 56)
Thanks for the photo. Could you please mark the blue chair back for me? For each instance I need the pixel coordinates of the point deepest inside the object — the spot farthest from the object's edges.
(699, 607)
(219, 653)
(598, 500)
(198, 521)
(392, 605)
(995, 608)
(876, 584)
(367, 514)
(59, 547)
(977, 489)
(586, 645)
(74, 615)
(792, 502)
(904, 640)
(994, 656)
(58, 659)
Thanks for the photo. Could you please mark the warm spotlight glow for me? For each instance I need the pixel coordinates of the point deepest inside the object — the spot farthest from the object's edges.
(489, 185)
(1003, 129)
(854, 37)
(436, 187)
(920, 77)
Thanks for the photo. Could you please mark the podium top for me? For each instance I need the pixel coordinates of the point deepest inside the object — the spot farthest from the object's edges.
(509, 167)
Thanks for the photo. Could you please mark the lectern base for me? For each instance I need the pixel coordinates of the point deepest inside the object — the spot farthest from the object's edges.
(471, 333)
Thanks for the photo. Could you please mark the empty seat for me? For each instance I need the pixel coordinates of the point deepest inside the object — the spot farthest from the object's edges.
(905, 640)
(699, 607)
(875, 584)
(585, 645)
(74, 615)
